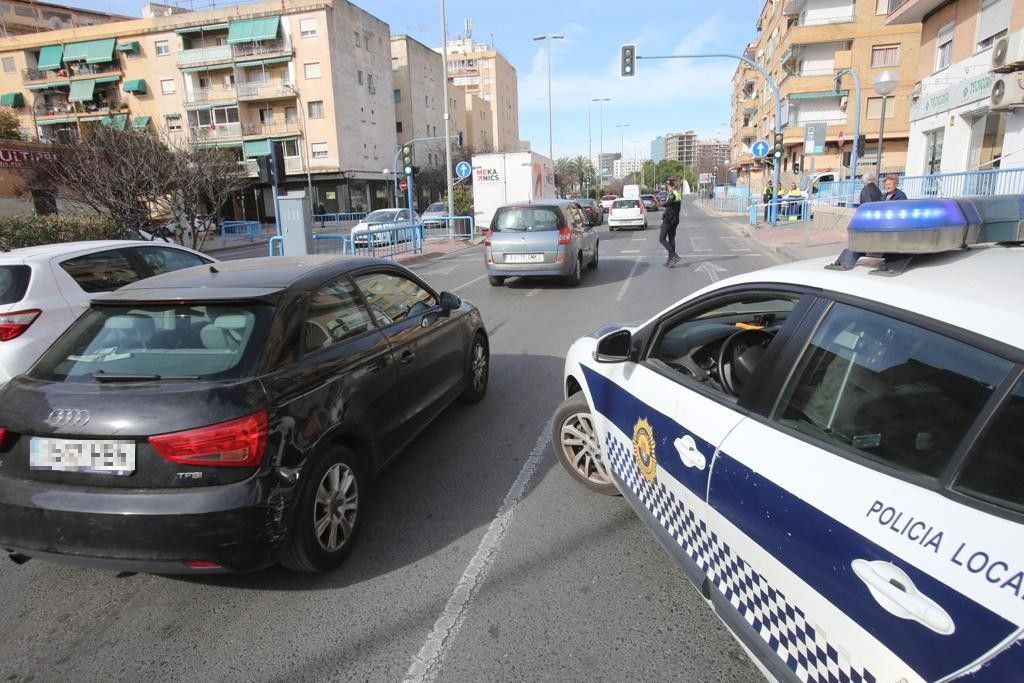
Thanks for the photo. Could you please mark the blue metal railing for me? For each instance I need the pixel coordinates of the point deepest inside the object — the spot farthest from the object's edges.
(449, 227)
(964, 183)
(732, 204)
(337, 220)
(276, 246)
(788, 211)
(233, 230)
(385, 242)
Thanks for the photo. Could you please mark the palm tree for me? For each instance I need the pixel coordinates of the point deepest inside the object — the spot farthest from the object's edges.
(563, 173)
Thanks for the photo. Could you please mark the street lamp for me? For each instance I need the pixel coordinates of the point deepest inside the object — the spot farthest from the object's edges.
(600, 170)
(884, 84)
(305, 141)
(622, 131)
(549, 37)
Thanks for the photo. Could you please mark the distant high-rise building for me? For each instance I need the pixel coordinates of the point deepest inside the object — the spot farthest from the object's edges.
(711, 155)
(606, 166)
(658, 148)
(682, 147)
(624, 167)
(483, 71)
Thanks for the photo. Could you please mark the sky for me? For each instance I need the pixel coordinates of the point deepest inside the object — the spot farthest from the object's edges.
(666, 96)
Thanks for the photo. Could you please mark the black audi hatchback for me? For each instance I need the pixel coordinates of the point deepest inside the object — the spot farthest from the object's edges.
(230, 416)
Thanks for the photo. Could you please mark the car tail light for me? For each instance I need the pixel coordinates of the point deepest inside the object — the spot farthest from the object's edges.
(487, 238)
(201, 564)
(13, 324)
(564, 234)
(237, 443)
(3, 433)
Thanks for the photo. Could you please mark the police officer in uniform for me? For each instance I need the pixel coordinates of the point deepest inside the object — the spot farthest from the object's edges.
(669, 223)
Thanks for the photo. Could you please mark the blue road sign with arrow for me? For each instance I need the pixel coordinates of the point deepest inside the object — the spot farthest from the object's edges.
(760, 149)
(463, 169)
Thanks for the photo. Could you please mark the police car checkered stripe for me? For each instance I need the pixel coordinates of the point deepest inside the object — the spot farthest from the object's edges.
(781, 624)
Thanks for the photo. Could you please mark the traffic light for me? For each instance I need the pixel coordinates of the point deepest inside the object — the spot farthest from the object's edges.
(777, 151)
(458, 139)
(628, 60)
(860, 144)
(407, 159)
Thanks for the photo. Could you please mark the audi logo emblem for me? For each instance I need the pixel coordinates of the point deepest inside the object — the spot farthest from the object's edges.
(64, 417)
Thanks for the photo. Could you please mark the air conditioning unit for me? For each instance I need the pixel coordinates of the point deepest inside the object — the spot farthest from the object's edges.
(1008, 53)
(1007, 93)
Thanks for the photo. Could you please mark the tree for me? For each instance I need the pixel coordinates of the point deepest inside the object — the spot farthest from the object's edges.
(10, 126)
(670, 168)
(563, 175)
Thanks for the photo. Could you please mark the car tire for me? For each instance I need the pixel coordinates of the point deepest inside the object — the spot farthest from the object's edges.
(573, 280)
(597, 254)
(577, 447)
(495, 280)
(330, 498)
(478, 369)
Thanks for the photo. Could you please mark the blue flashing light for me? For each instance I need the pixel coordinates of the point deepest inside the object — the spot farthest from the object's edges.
(909, 215)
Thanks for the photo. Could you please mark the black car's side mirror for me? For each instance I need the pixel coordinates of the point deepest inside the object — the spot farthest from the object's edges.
(614, 347)
(450, 302)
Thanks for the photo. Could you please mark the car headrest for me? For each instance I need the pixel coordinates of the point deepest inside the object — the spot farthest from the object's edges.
(235, 321)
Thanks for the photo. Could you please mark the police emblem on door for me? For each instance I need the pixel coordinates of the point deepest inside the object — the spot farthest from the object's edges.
(643, 449)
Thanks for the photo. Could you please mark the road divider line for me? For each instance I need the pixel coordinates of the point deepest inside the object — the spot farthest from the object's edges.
(533, 292)
(467, 284)
(425, 664)
(630, 251)
(629, 278)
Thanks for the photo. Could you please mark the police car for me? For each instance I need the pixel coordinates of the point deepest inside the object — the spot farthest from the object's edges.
(833, 451)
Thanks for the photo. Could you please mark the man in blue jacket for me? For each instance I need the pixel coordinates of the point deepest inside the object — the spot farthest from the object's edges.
(669, 223)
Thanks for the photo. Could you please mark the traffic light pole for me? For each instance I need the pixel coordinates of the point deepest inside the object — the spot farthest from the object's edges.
(398, 154)
(273, 187)
(774, 206)
(856, 121)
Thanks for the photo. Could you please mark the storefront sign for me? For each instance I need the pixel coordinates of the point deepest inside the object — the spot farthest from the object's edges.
(970, 90)
(11, 158)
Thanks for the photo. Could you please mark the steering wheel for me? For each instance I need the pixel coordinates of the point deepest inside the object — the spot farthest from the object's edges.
(739, 356)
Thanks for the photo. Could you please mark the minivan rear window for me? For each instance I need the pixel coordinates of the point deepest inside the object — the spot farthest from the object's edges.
(526, 219)
(158, 341)
(626, 204)
(13, 283)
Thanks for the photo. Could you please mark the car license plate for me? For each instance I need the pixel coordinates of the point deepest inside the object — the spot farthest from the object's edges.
(92, 456)
(524, 258)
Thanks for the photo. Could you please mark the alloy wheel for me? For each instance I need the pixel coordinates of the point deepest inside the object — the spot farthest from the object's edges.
(479, 362)
(580, 448)
(335, 507)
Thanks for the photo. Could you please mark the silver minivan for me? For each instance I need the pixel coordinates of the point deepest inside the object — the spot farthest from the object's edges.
(544, 238)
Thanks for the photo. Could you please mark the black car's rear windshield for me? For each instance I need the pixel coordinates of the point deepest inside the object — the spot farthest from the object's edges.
(529, 218)
(159, 341)
(13, 283)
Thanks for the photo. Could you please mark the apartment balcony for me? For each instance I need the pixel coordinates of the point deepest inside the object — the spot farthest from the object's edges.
(271, 90)
(263, 49)
(218, 93)
(746, 132)
(31, 76)
(58, 108)
(911, 11)
(292, 166)
(276, 128)
(220, 131)
(205, 56)
(82, 71)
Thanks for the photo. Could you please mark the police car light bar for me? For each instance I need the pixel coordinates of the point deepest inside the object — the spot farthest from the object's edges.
(898, 231)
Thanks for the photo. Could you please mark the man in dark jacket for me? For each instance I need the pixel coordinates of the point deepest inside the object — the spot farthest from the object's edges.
(669, 223)
(766, 198)
(870, 193)
(891, 191)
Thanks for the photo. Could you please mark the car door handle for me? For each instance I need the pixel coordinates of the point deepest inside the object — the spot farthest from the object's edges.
(896, 593)
(689, 453)
(406, 357)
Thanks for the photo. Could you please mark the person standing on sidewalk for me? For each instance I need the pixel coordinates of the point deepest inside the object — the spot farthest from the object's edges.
(870, 191)
(892, 192)
(766, 198)
(669, 223)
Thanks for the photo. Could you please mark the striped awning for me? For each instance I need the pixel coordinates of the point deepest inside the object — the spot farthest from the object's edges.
(50, 57)
(12, 99)
(246, 30)
(137, 86)
(818, 95)
(265, 62)
(131, 46)
(117, 121)
(82, 91)
(48, 86)
(51, 122)
(90, 51)
(140, 122)
(201, 29)
(256, 148)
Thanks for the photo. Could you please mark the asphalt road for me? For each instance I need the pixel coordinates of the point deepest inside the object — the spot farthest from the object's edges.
(479, 560)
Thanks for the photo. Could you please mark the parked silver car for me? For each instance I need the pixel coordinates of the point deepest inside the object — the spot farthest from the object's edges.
(549, 237)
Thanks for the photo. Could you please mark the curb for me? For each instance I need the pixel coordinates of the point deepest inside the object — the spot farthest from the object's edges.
(419, 258)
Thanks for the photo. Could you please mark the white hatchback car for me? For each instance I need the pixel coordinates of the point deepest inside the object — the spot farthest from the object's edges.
(627, 213)
(44, 289)
(405, 223)
(834, 459)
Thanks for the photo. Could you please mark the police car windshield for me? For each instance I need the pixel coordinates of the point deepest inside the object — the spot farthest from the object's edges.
(744, 307)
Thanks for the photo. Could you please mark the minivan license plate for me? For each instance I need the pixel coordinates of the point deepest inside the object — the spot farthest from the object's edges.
(524, 258)
(107, 456)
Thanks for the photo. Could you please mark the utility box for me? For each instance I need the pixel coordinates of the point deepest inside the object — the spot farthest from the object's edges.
(296, 225)
(500, 179)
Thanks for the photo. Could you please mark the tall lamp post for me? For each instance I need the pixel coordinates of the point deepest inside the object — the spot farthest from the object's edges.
(450, 184)
(622, 133)
(549, 37)
(305, 141)
(884, 84)
(600, 170)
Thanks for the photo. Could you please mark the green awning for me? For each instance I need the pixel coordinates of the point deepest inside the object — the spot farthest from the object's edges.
(246, 30)
(200, 29)
(172, 116)
(222, 145)
(818, 95)
(137, 86)
(12, 99)
(92, 118)
(81, 91)
(209, 67)
(52, 122)
(107, 79)
(49, 57)
(132, 46)
(262, 62)
(140, 122)
(90, 51)
(116, 121)
(256, 148)
(48, 86)
(196, 106)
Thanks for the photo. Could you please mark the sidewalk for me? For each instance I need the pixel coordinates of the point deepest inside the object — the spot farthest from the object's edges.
(824, 236)
(432, 248)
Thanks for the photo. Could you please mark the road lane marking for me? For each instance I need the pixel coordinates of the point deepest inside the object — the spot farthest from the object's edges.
(426, 662)
(711, 270)
(533, 292)
(638, 239)
(629, 278)
(630, 251)
(467, 284)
